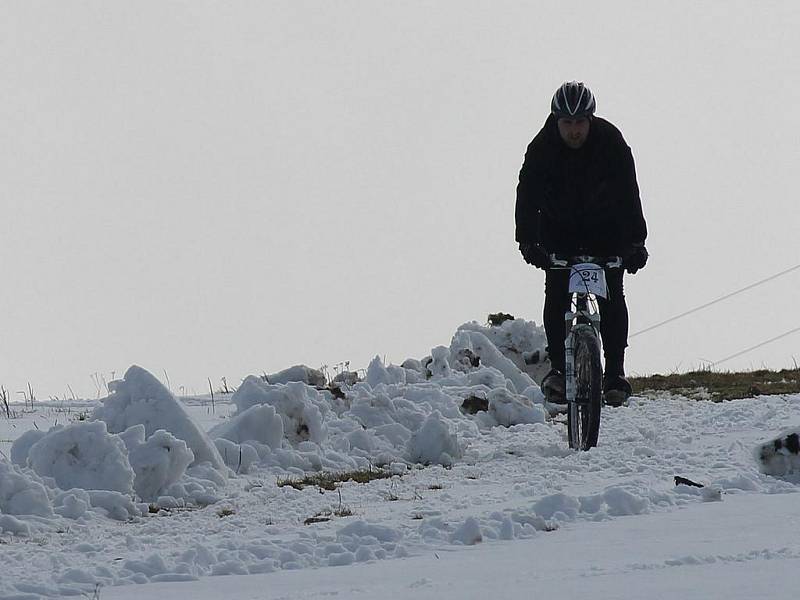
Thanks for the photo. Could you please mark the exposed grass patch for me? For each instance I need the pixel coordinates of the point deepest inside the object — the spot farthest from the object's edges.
(328, 481)
(318, 518)
(167, 511)
(721, 385)
(328, 514)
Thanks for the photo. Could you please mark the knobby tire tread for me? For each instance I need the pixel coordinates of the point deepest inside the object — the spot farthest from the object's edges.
(589, 389)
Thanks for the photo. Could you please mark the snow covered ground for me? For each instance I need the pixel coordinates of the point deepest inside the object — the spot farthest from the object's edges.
(183, 498)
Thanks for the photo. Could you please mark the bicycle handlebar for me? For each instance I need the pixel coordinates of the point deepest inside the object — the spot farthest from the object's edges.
(562, 261)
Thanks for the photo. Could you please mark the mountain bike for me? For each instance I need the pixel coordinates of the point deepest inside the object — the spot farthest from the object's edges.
(583, 370)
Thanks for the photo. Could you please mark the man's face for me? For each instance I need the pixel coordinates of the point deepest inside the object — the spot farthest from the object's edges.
(574, 131)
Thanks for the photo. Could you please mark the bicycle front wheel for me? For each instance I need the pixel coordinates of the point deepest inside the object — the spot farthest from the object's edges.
(583, 423)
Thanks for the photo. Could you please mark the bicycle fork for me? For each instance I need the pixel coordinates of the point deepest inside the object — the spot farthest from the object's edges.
(583, 316)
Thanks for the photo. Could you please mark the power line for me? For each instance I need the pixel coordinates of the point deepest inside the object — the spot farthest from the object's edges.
(769, 341)
(720, 299)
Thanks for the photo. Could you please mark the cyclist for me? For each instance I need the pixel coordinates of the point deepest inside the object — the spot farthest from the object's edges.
(577, 194)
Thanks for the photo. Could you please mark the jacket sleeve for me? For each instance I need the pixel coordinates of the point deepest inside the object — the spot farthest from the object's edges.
(529, 193)
(636, 225)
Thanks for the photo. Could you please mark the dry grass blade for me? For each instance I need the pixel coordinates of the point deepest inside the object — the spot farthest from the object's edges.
(328, 481)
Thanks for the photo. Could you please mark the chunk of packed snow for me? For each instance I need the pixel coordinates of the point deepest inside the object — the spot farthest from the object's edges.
(83, 455)
(623, 502)
(378, 374)
(347, 378)
(300, 373)
(440, 363)
(9, 524)
(479, 344)
(239, 457)
(515, 339)
(139, 398)
(21, 495)
(561, 507)
(72, 504)
(300, 407)
(158, 462)
(362, 531)
(21, 447)
(133, 436)
(512, 409)
(434, 442)
(534, 394)
(468, 533)
(116, 506)
(412, 364)
(259, 423)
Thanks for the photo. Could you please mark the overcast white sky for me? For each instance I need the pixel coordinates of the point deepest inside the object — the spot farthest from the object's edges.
(222, 188)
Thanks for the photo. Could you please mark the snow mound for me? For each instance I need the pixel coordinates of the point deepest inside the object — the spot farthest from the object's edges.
(615, 501)
(139, 398)
(141, 446)
(410, 413)
(78, 455)
(83, 455)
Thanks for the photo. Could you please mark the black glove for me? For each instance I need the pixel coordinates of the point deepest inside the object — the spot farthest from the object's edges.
(534, 255)
(635, 258)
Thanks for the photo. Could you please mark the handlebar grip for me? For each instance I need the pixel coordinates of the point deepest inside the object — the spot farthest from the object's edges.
(563, 262)
(558, 262)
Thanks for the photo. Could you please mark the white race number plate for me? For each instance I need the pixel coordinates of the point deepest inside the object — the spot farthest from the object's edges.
(588, 278)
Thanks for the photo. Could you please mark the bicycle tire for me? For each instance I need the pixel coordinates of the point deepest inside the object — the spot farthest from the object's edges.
(583, 422)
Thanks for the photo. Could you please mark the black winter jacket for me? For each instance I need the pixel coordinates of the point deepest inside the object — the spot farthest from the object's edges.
(580, 200)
